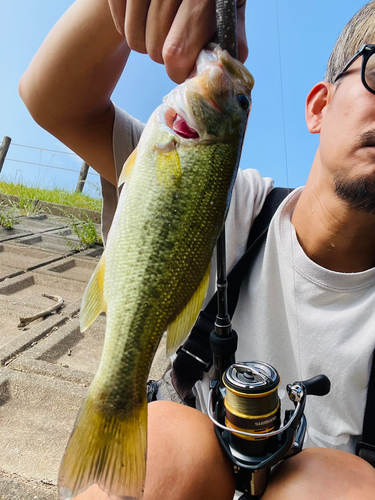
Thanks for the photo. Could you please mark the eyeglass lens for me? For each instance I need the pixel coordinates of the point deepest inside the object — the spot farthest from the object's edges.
(370, 72)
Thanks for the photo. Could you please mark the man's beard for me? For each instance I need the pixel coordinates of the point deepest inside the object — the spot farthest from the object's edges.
(359, 193)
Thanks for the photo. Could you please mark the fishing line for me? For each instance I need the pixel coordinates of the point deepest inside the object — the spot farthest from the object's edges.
(288, 184)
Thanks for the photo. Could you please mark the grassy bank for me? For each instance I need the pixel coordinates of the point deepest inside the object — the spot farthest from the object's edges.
(78, 211)
(55, 195)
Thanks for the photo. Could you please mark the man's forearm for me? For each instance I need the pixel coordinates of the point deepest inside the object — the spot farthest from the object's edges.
(74, 72)
(68, 84)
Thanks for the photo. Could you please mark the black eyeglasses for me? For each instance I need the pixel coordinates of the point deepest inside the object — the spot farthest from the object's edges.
(368, 66)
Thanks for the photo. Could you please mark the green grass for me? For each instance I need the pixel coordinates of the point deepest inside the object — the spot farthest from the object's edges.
(6, 218)
(85, 229)
(54, 195)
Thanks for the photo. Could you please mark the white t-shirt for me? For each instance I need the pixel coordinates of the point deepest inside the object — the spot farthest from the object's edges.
(293, 314)
(305, 320)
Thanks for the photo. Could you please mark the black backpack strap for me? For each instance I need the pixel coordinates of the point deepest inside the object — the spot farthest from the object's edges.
(194, 357)
(366, 447)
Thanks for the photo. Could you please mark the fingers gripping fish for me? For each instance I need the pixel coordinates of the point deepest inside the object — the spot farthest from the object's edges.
(154, 272)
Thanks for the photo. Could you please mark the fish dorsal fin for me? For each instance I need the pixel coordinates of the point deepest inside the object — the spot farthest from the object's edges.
(168, 165)
(93, 302)
(180, 328)
(127, 168)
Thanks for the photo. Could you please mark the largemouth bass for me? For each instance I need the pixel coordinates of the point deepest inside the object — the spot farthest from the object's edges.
(154, 272)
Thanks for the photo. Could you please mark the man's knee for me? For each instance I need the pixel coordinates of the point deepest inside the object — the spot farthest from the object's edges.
(322, 473)
(184, 458)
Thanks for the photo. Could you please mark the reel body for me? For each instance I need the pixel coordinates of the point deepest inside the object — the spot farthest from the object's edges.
(246, 412)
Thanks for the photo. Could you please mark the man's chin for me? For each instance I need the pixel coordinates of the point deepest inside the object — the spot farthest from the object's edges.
(359, 193)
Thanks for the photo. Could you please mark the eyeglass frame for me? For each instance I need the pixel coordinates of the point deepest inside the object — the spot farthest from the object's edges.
(366, 52)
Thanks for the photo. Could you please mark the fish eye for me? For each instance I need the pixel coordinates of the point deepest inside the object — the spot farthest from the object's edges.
(243, 101)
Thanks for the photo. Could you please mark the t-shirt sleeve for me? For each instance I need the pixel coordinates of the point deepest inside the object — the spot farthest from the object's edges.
(126, 133)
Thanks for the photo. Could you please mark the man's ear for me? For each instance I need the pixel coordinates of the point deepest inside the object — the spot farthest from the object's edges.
(316, 102)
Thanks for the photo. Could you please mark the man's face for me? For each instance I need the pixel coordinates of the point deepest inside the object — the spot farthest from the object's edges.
(347, 141)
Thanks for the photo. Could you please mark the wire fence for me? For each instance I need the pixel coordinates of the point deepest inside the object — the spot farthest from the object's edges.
(82, 174)
(49, 166)
(44, 149)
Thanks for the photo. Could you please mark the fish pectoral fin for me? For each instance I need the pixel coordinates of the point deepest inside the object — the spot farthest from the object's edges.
(107, 447)
(93, 302)
(180, 328)
(127, 168)
(168, 166)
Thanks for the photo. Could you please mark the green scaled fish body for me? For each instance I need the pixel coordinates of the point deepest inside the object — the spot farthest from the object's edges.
(154, 272)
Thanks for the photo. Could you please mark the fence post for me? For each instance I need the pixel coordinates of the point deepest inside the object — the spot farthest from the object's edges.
(82, 177)
(4, 149)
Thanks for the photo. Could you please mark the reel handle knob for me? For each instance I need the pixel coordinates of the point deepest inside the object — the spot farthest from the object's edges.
(317, 386)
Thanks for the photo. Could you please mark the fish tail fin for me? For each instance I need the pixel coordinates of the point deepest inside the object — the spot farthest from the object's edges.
(106, 448)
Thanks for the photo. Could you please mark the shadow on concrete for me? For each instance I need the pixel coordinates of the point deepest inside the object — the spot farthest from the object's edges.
(4, 392)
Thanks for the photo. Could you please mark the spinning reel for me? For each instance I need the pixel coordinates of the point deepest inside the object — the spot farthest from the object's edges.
(246, 412)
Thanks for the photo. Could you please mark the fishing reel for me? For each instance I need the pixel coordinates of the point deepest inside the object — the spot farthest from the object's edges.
(245, 409)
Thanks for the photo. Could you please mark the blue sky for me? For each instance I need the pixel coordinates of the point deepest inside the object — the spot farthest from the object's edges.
(289, 42)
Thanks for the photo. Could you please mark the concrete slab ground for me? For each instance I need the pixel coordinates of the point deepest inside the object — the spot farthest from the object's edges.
(91, 253)
(15, 487)
(37, 415)
(44, 231)
(66, 353)
(22, 297)
(46, 366)
(72, 268)
(13, 233)
(53, 242)
(29, 289)
(28, 225)
(40, 223)
(16, 260)
(15, 340)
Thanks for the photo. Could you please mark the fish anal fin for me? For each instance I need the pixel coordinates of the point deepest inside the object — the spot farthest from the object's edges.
(93, 302)
(180, 328)
(107, 448)
(127, 168)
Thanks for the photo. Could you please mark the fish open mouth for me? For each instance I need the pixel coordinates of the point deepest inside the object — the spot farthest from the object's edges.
(178, 124)
(181, 128)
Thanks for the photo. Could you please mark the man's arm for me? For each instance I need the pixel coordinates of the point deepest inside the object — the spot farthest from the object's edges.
(68, 85)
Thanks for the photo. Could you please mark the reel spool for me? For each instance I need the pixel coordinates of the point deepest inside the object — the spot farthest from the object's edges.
(252, 405)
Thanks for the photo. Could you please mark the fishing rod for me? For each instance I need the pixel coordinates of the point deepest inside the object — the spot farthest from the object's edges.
(223, 339)
(243, 400)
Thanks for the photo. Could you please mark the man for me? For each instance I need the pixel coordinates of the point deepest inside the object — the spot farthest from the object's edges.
(311, 295)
